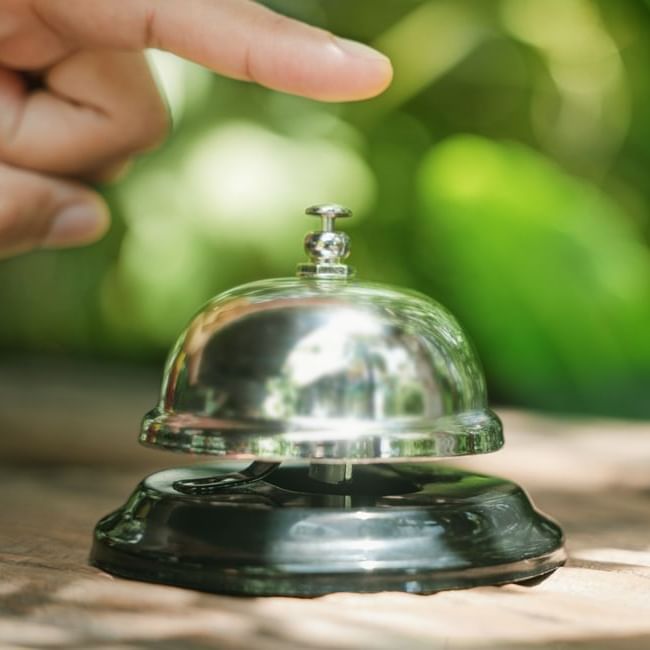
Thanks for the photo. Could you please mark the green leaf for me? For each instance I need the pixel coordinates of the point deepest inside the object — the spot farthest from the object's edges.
(546, 272)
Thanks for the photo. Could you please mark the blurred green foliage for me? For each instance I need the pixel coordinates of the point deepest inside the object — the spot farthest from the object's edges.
(505, 173)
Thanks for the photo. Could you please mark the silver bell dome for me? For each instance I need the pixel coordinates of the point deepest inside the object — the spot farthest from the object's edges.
(323, 367)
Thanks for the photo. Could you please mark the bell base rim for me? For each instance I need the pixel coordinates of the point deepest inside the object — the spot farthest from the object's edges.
(241, 582)
(456, 530)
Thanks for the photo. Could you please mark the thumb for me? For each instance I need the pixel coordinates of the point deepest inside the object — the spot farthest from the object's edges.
(42, 212)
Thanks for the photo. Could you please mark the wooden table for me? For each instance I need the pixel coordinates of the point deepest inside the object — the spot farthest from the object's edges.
(593, 476)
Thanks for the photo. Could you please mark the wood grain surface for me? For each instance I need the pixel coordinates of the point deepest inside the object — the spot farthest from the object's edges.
(593, 476)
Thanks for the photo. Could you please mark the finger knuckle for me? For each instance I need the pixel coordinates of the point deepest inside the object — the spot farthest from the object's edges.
(9, 217)
(277, 23)
(111, 173)
(154, 130)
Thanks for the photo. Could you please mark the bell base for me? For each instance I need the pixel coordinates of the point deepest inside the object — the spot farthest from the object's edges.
(413, 528)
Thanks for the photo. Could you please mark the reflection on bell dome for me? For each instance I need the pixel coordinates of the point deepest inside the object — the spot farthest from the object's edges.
(348, 365)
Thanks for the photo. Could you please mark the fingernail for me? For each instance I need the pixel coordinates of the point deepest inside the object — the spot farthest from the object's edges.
(80, 223)
(359, 50)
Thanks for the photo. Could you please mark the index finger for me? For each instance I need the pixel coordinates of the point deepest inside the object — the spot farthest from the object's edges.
(236, 38)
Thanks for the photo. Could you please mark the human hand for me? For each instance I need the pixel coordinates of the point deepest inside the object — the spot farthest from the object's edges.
(77, 99)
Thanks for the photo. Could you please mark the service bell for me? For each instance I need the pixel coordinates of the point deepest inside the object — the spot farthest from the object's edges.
(340, 395)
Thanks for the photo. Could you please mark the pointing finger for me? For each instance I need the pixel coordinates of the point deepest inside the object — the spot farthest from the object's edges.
(237, 38)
